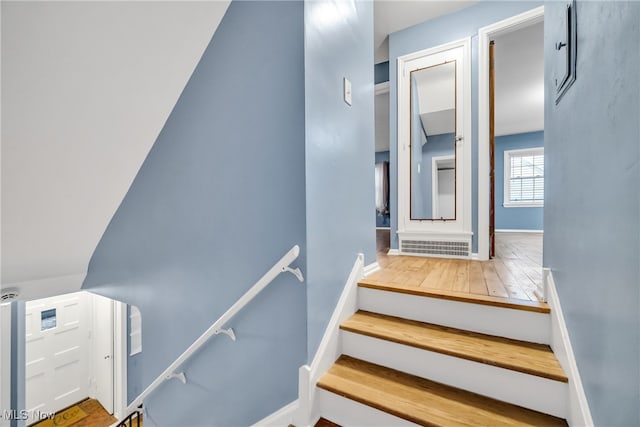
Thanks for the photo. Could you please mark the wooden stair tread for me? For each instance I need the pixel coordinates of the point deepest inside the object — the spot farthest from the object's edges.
(512, 303)
(422, 401)
(529, 358)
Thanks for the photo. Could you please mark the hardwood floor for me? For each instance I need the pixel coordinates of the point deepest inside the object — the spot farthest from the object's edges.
(514, 273)
(97, 416)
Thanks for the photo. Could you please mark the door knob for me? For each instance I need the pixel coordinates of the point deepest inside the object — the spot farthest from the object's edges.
(107, 357)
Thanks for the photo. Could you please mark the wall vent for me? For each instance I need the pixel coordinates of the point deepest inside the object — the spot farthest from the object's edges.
(435, 247)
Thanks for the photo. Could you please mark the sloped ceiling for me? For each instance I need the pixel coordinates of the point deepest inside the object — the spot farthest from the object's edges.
(86, 89)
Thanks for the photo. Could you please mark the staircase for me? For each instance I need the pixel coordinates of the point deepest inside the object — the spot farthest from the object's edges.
(412, 357)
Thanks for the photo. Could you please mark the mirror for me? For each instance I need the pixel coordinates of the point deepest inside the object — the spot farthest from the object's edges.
(432, 146)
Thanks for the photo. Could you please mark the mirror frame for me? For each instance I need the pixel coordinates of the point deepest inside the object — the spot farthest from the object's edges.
(454, 143)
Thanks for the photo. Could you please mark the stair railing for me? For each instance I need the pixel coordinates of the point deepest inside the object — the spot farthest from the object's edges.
(282, 266)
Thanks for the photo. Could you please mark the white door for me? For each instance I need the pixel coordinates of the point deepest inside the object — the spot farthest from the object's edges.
(57, 340)
(102, 351)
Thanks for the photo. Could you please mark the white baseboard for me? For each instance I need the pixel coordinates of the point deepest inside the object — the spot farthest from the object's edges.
(578, 410)
(383, 228)
(282, 417)
(371, 268)
(519, 231)
(329, 349)
(475, 256)
(393, 252)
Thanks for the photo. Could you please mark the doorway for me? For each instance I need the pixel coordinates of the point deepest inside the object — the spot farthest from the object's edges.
(73, 351)
(511, 142)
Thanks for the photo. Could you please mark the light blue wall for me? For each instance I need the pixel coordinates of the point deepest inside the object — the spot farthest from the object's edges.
(382, 156)
(592, 202)
(515, 218)
(382, 72)
(435, 32)
(219, 199)
(339, 151)
(382, 220)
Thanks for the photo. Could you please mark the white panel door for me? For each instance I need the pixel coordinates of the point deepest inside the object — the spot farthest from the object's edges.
(56, 346)
(102, 351)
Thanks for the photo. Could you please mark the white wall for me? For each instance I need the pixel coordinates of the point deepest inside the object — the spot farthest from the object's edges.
(86, 89)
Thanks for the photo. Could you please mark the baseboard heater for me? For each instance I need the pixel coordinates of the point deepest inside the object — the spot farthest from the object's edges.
(435, 247)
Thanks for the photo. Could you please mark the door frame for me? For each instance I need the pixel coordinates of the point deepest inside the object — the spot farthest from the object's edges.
(120, 356)
(459, 229)
(513, 23)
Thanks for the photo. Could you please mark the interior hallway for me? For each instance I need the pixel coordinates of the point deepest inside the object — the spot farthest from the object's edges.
(514, 273)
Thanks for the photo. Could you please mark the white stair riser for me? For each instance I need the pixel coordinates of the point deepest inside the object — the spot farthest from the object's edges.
(529, 391)
(510, 323)
(349, 413)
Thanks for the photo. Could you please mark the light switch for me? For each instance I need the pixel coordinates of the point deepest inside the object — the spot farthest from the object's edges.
(347, 91)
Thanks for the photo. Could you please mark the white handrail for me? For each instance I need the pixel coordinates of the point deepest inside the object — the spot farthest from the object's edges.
(280, 267)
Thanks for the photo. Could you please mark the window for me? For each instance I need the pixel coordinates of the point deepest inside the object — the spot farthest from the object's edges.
(48, 319)
(524, 178)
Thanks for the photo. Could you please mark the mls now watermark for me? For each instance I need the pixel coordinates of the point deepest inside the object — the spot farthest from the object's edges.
(24, 415)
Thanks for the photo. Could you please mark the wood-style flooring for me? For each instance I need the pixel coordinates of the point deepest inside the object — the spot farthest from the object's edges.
(514, 273)
(97, 416)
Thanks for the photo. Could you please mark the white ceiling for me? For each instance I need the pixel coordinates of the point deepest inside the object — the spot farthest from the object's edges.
(86, 89)
(395, 15)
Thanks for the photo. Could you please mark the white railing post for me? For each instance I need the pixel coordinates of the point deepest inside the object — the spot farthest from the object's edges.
(282, 266)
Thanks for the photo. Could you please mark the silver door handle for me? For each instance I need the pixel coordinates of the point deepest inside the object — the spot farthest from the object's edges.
(106, 357)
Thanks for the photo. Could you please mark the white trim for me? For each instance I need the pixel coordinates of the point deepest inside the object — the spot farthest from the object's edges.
(282, 417)
(383, 228)
(457, 50)
(578, 407)
(523, 205)
(474, 256)
(382, 88)
(371, 268)
(120, 359)
(329, 349)
(519, 231)
(5, 361)
(510, 24)
(393, 252)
